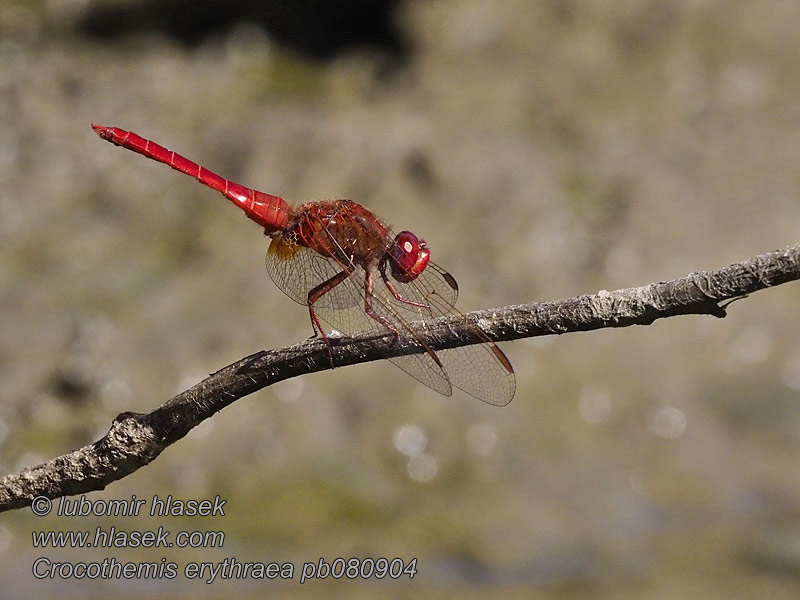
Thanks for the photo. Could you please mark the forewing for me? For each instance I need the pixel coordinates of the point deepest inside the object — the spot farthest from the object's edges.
(481, 370)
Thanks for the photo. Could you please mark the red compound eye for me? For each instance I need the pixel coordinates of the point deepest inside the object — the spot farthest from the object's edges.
(409, 257)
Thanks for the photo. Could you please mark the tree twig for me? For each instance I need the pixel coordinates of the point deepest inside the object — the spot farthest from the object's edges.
(136, 439)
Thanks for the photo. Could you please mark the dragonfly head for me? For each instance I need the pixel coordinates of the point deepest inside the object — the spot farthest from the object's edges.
(408, 257)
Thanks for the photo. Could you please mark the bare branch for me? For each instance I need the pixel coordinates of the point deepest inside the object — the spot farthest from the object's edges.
(135, 439)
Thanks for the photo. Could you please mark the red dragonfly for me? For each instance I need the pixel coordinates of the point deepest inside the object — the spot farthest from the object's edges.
(346, 266)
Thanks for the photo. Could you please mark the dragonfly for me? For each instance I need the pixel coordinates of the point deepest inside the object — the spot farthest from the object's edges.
(352, 272)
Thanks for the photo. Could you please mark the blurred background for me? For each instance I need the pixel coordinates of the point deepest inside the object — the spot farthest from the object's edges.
(544, 149)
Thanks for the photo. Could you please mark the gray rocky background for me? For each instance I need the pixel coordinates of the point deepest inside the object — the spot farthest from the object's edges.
(544, 149)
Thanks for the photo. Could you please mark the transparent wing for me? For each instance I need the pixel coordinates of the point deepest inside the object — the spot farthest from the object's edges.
(481, 370)
(296, 270)
(303, 269)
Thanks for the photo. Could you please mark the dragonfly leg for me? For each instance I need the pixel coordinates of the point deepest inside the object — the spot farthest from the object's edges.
(368, 283)
(368, 294)
(317, 293)
(396, 294)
